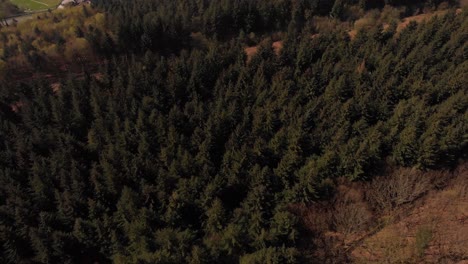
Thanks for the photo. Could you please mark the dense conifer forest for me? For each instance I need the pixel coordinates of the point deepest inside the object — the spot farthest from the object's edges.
(173, 146)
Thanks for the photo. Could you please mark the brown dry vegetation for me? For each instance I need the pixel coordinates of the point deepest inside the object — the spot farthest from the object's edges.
(406, 216)
(250, 52)
(277, 46)
(387, 16)
(434, 230)
(352, 34)
(418, 19)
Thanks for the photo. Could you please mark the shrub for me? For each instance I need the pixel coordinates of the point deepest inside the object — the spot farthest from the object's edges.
(369, 20)
(390, 14)
(423, 238)
(350, 212)
(401, 187)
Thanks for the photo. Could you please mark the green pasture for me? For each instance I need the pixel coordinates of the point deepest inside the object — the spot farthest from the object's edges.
(33, 5)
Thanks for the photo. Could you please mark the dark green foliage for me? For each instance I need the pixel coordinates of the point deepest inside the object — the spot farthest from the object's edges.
(196, 156)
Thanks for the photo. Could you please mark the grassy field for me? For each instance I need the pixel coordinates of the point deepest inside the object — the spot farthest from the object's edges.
(33, 5)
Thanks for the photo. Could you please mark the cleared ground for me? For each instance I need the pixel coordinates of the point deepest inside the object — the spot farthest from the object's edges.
(34, 5)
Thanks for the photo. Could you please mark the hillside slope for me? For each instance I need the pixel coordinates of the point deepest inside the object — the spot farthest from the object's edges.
(432, 230)
(163, 142)
(405, 216)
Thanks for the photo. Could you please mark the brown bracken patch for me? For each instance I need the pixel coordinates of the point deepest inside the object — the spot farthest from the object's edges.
(277, 46)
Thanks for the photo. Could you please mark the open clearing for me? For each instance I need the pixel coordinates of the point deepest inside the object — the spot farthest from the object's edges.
(34, 5)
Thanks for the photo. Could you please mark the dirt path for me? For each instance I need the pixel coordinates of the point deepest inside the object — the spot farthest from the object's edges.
(40, 3)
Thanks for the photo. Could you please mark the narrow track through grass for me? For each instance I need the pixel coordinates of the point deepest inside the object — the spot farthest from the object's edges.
(34, 5)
